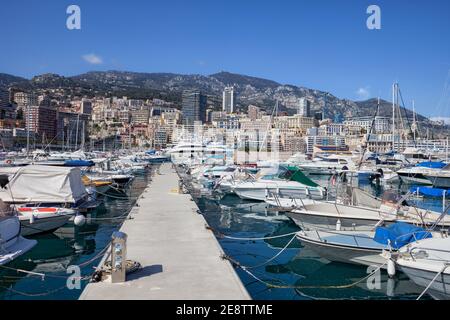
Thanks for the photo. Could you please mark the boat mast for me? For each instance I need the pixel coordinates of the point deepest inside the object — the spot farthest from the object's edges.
(76, 135)
(28, 129)
(414, 121)
(393, 116)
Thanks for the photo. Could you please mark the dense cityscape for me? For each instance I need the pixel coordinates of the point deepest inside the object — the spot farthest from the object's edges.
(53, 119)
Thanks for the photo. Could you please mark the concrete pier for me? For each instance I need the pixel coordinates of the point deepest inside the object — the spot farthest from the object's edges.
(180, 258)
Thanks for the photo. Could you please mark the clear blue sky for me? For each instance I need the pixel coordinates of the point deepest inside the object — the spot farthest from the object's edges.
(321, 44)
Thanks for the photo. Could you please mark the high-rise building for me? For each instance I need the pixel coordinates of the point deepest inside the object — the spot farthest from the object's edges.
(304, 108)
(42, 121)
(24, 99)
(228, 100)
(140, 116)
(7, 109)
(193, 107)
(86, 107)
(4, 98)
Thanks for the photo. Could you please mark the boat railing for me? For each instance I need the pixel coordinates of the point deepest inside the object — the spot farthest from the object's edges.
(418, 248)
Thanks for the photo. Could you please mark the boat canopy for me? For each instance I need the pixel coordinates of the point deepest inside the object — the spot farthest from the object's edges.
(400, 234)
(432, 164)
(42, 184)
(79, 163)
(295, 174)
(429, 191)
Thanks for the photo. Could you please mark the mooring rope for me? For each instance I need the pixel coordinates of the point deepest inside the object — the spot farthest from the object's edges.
(271, 285)
(432, 281)
(221, 235)
(271, 259)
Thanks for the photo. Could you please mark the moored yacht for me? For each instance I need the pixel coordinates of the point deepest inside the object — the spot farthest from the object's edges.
(286, 182)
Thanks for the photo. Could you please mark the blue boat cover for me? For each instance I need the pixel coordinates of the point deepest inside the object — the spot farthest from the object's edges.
(432, 164)
(429, 191)
(151, 152)
(79, 163)
(400, 234)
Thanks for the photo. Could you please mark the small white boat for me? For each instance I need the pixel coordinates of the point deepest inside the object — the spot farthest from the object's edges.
(362, 247)
(419, 173)
(356, 247)
(363, 214)
(427, 263)
(288, 182)
(36, 219)
(439, 178)
(45, 197)
(12, 244)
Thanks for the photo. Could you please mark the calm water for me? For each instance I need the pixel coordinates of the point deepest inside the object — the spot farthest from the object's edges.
(297, 266)
(69, 245)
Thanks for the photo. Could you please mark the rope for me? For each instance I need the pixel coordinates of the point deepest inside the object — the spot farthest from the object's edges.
(221, 235)
(434, 279)
(271, 259)
(345, 286)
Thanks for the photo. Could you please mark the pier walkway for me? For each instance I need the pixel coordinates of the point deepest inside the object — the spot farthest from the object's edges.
(180, 258)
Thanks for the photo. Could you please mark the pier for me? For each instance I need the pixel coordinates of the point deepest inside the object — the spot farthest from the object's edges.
(180, 258)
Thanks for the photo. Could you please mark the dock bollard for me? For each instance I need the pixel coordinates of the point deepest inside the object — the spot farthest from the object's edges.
(118, 257)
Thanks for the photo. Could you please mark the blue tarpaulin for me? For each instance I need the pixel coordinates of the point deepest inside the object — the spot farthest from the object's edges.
(79, 163)
(399, 234)
(432, 164)
(429, 191)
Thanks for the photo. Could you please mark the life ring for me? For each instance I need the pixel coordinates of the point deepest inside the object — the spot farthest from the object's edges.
(9, 161)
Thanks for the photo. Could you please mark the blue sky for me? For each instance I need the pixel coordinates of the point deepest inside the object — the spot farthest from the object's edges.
(321, 44)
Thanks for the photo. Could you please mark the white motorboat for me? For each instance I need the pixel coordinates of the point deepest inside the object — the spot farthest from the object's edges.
(363, 213)
(36, 219)
(362, 247)
(328, 165)
(12, 244)
(419, 173)
(43, 209)
(439, 178)
(287, 182)
(427, 263)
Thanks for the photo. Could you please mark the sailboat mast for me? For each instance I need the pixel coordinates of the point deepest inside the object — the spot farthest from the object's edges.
(393, 116)
(414, 121)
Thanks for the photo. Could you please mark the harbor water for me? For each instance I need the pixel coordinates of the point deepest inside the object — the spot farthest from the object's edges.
(296, 274)
(69, 246)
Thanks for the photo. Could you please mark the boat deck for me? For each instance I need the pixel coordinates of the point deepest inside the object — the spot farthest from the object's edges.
(180, 258)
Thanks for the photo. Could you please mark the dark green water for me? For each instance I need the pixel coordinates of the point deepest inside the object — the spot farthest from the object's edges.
(69, 245)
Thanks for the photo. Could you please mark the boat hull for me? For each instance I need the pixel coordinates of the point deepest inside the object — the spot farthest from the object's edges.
(42, 224)
(439, 289)
(345, 254)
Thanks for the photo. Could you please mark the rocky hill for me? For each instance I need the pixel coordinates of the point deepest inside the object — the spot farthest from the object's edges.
(250, 90)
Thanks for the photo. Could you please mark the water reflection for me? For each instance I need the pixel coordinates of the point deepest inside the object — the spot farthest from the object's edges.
(305, 274)
(69, 245)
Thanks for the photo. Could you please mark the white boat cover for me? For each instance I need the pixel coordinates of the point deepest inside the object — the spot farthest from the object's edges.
(43, 184)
